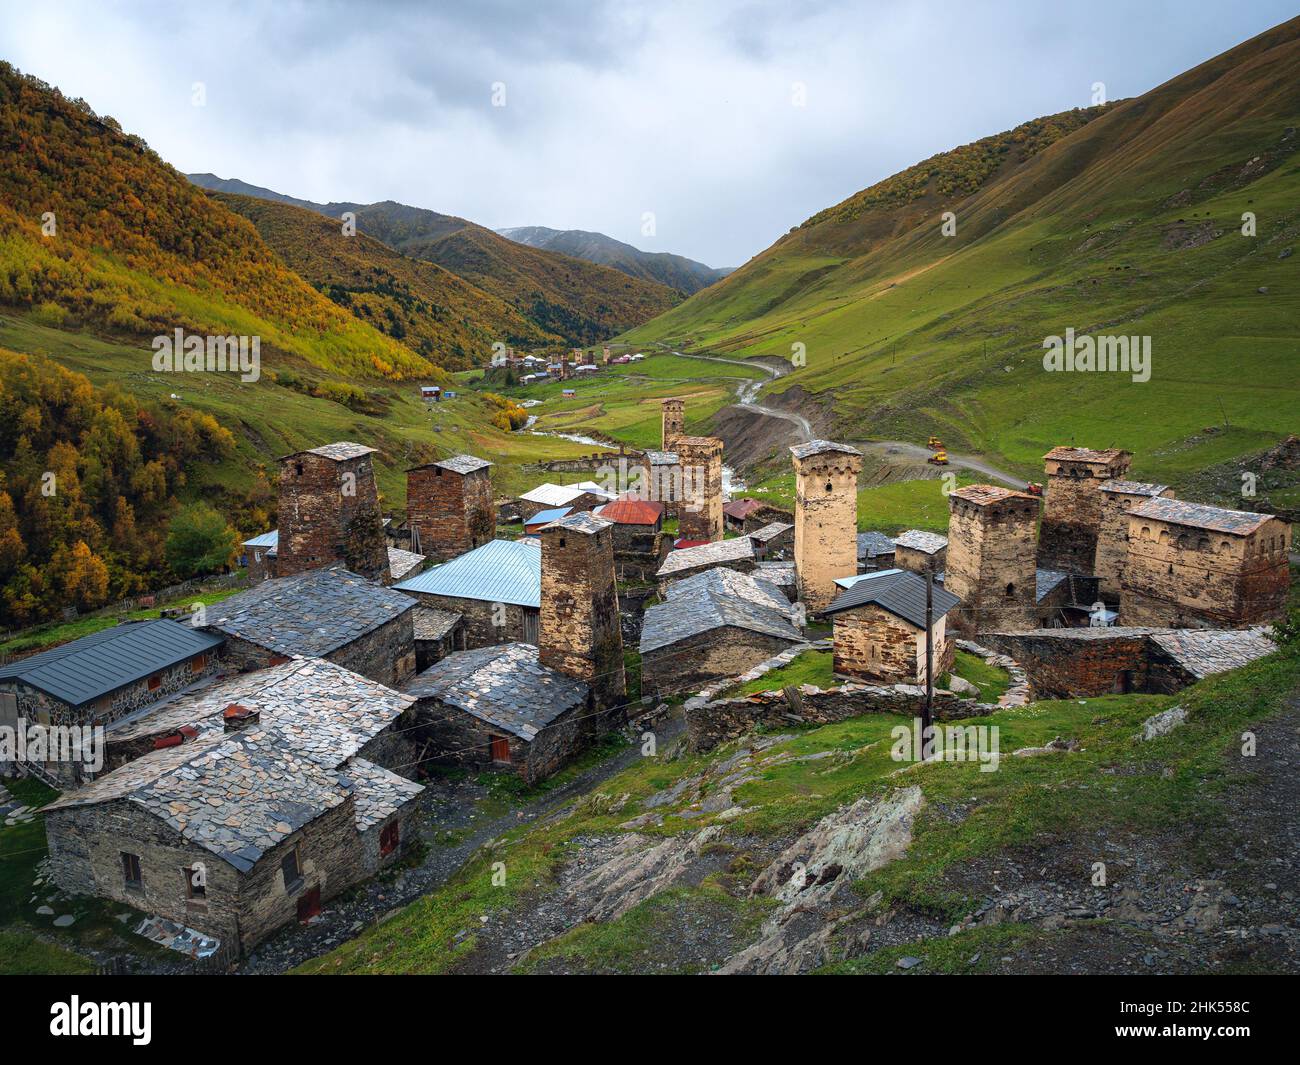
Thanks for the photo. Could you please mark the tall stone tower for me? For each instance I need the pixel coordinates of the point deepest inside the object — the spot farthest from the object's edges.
(699, 512)
(1117, 499)
(990, 565)
(674, 421)
(825, 518)
(579, 633)
(1067, 540)
(449, 506)
(329, 512)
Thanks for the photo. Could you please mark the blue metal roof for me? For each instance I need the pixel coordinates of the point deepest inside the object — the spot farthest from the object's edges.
(267, 539)
(544, 516)
(85, 669)
(501, 571)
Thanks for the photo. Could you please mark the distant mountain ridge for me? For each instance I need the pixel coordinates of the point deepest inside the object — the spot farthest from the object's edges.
(572, 299)
(675, 271)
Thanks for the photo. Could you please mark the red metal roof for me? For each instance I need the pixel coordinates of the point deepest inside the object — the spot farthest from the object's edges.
(632, 511)
(689, 543)
(741, 508)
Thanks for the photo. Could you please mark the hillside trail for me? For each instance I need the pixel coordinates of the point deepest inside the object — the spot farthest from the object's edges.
(747, 396)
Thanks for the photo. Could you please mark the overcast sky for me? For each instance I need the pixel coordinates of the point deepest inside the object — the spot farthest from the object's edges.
(730, 122)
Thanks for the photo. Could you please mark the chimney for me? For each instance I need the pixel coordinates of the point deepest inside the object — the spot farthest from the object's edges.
(237, 717)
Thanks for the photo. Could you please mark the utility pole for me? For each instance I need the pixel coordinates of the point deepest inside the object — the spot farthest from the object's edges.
(927, 710)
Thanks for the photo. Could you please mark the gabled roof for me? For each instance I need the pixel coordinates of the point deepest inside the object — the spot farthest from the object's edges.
(553, 495)
(985, 494)
(460, 464)
(820, 447)
(339, 452)
(720, 551)
(545, 517)
(899, 591)
(770, 531)
(927, 543)
(717, 599)
(431, 624)
(1084, 454)
(311, 613)
(1200, 516)
(401, 562)
(503, 685)
(631, 512)
(871, 544)
(1045, 580)
(267, 539)
(742, 508)
(83, 670)
(582, 522)
(663, 458)
(1133, 488)
(501, 571)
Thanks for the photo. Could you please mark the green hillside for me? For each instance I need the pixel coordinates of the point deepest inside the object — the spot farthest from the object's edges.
(1119, 220)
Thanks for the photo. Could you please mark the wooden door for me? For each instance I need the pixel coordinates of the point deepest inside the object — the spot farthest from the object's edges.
(309, 904)
(500, 749)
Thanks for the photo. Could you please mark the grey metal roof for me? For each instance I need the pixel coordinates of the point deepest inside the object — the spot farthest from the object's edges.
(85, 669)
(545, 517)
(717, 599)
(311, 613)
(928, 543)
(818, 447)
(1045, 580)
(871, 544)
(267, 539)
(899, 591)
(503, 685)
(501, 571)
(1200, 516)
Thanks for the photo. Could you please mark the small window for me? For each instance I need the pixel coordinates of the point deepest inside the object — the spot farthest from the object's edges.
(131, 871)
(561, 541)
(500, 749)
(155, 682)
(292, 870)
(830, 487)
(196, 881)
(1011, 591)
(389, 837)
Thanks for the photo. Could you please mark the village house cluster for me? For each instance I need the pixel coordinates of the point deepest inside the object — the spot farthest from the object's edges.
(265, 755)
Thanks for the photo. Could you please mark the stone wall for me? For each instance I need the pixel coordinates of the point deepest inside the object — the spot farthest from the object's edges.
(452, 512)
(691, 664)
(991, 559)
(825, 523)
(1112, 538)
(909, 558)
(1196, 578)
(874, 644)
(1067, 538)
(479, 617)
(329, 512)
(457, 738)
(1078, 663)
(699, 516)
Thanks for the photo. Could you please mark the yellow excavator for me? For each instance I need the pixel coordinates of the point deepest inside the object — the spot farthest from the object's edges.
(939, 458)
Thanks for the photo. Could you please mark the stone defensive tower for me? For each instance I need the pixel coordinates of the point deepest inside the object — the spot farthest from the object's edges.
(1191, 565)
(1117, 499)
(1067, 540)
(699, 512)
(449, 506)
(990, 565)
(329, 512)
(674, 421)
(825, 518)
(662, 480)
(579, 633)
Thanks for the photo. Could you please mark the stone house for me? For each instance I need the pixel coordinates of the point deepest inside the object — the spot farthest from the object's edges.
(329, 512)
(639, 544)
(437, 634)
(403, 564)
(1067, 537)
(825, 517)
(875, 552)
(264, 811)
(259, 555)
(577, 497)
(100, 679)
(918, 550)
(990, 564)
(1118, 498)
(880, 627)
(773, 542)
(496, 589)
(715, 624)
(449, 507)
(738, 511)
(498, 708)
(321, 613)
(1197, 566)
(737, 554)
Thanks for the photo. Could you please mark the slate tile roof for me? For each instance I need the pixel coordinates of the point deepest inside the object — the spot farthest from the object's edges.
(873, 544)
(462, 464)
(501, 571)
(503, 685)
(1203, 652)
(663, 458)
(431, 624)
(899, 591)
(1083, 454)
(379, 793)
(770, 531)
(401, 563)
(818, 447)
(311, 613)
(929, 543)
(689, 558)
(984, 494)
(93, 666)
(1133, 488)
(339, 451)
(582, 522)
(714, 599)
(779, 574)
(1200, 516)
(1045, 580)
